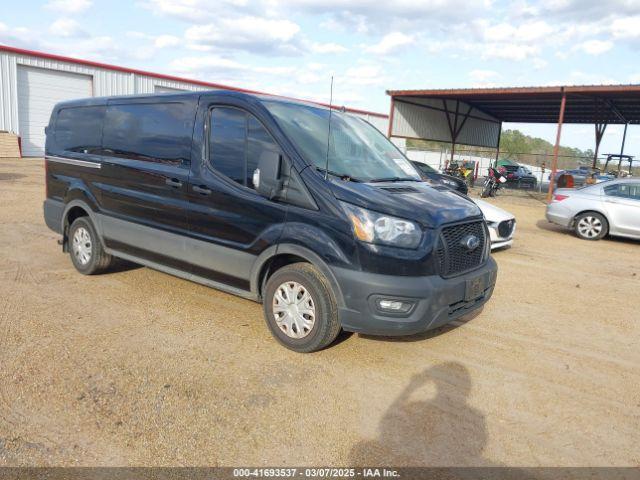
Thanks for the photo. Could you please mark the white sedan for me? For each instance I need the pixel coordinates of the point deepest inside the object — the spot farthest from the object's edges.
(502, 224)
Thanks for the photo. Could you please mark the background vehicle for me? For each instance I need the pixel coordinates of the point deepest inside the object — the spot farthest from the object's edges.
(431, 175)
(502, 224)
(520, 177)
(594, 211)
(579, 176)
(327, 224)
(492, 183)
(619, 172)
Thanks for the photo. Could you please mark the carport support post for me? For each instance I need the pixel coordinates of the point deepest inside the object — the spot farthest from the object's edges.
(600, 128)
(498, 147)
(624, 137)
(556, 148)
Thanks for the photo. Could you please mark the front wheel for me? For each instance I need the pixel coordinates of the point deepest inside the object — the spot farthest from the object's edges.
(300, 308)
(591, 226)
(486, 191)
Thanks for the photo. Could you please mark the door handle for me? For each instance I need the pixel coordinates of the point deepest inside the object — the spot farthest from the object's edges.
(202, 190)
(173, 182)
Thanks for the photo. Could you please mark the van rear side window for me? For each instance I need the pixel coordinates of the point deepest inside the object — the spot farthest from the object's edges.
(156, 132)
(79, 129)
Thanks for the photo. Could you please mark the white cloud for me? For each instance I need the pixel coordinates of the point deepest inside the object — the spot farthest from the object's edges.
(166, 41)
(68, 6)
(509, 51)
(215, 64)
(390, 43)
(626, 27)
(482, 75)
(520, 33)
(328, 48)
(367, 16)
(595, 47)
(365, 74)
(249, 33)
(68, 28)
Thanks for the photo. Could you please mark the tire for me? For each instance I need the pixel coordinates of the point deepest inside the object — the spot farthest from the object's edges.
(486, 191)
(85, 248)
(280, 291)
(591, 226)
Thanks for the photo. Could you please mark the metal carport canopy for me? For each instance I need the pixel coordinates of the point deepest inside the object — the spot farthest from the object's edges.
(474, 116)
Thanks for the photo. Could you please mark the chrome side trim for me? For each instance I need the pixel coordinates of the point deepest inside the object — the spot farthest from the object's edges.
(73, 161)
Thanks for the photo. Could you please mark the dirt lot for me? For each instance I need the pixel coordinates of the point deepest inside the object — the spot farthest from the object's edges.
(136, 367)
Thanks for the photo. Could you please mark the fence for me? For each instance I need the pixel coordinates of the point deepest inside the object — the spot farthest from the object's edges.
(538, 164)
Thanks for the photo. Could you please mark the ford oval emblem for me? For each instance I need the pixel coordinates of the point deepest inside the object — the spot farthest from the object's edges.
(470, 242)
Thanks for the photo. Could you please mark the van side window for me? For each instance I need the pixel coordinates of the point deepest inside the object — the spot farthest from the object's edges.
(156, 132)
(79, 129)
(227, 142)
(259, 142)
(237, 140)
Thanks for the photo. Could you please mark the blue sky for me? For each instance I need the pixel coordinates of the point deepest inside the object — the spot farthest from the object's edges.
(293, 47)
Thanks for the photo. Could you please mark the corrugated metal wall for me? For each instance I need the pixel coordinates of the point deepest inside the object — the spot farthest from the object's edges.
(105, 83)
(427, 119)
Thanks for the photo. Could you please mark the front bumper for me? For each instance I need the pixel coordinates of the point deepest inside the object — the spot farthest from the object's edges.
(437, 301)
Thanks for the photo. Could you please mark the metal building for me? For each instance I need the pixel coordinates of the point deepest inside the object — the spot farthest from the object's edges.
(31, 83)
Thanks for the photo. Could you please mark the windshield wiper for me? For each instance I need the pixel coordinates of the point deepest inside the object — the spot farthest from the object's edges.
(341, 176)
(394, 179)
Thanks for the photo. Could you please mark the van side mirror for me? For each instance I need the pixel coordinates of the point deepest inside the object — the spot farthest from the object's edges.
(267, 178)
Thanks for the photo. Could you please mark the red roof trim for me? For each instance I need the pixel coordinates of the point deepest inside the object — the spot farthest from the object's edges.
(60, 58)
(500, 91)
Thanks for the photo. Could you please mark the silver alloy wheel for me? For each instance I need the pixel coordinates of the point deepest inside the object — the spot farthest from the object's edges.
(81, 245)
(294, 310)
(589, 226)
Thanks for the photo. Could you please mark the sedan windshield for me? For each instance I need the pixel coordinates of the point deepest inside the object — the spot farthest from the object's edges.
(356, 150)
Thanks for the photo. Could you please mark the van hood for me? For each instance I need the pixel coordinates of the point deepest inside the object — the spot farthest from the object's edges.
(431, 206)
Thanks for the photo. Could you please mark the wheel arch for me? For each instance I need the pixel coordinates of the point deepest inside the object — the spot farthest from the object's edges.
(590, 210)
(289, 253)
(75, 209)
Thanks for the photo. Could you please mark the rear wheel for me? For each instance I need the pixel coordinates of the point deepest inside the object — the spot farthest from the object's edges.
(300, 308)
(85, 248)
(591, 226)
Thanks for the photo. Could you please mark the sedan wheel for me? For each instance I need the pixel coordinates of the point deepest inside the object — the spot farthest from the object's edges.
(591, 226)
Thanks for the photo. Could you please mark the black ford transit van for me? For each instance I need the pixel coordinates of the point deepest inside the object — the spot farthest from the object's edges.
(316, 215)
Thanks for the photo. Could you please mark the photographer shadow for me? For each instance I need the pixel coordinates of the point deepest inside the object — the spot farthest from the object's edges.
(444, 430)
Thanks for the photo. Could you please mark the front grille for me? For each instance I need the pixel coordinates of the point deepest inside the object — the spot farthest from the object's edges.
(453, 256)
(505, 228)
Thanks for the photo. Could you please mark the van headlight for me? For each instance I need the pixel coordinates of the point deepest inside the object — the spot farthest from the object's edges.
(374, 227)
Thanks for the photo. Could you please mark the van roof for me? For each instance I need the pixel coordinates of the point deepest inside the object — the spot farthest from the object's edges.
(262, 96)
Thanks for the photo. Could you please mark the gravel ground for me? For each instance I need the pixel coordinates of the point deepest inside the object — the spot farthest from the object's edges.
(136, 367)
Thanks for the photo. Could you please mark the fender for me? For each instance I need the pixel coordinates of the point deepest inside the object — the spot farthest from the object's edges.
(81, 202)
(300, 251)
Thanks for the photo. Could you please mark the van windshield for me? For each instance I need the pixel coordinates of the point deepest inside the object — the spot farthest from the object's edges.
(357, 150)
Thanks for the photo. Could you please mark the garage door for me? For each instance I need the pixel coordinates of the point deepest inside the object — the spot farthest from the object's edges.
(38, 91)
